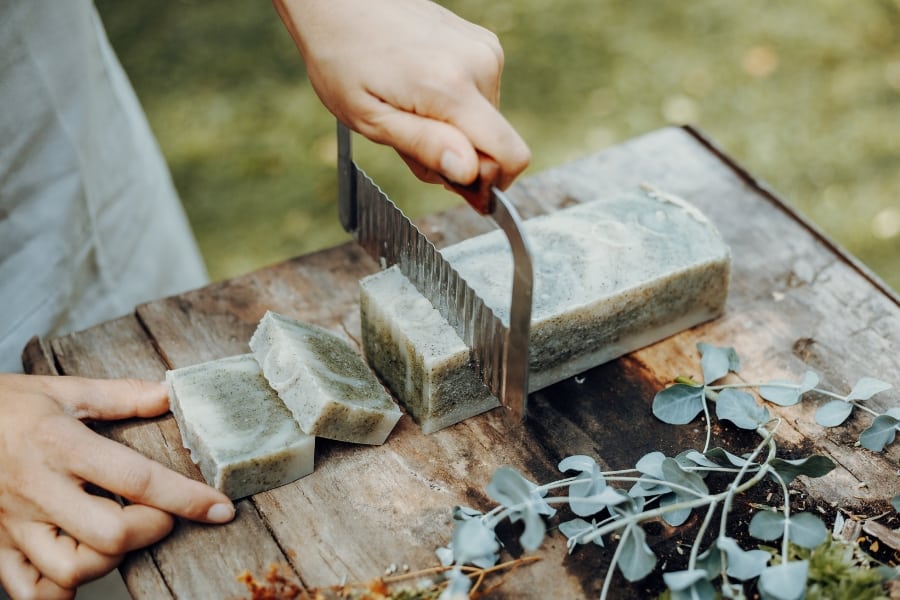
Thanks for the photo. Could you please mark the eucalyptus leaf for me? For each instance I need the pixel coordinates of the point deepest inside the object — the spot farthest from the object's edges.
(587, 487)
(631, 506)
(716, 362)
(651, 464)
(732, 591)
(464, 513)
(675, 518)
(475, 543)
(683, 458)
(806, 530)
(710, 560)
(895, 502)
(646, 486)
(674, 474)
(682, 580)
(833, 413)
(445, 555)
(811, 466)
(509, 488)
(575, 531)
(810, 381)
(458, 585)
(513, 491)
(742, 564)
(781, 392)
(689, 585)
(767, 525)
(578, 462)
(678, 404)
(867, 387)
(520, 497)
(610, 496)
(741, 409)
(725, 458)
(636, 560)
(880, 433)
(786, 581)
(535, 529)
(700, 460)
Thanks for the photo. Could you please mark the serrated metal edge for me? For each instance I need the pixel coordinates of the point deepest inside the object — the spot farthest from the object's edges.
(388, 236)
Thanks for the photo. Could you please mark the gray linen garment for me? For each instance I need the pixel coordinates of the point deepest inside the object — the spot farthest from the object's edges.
(90, 223)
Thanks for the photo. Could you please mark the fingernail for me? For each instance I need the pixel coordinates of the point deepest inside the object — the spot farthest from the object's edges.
(220, 513)
(452, 166)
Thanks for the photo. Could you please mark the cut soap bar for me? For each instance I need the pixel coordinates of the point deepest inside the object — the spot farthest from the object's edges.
(327, 386)
(611, 276)
(239, 432)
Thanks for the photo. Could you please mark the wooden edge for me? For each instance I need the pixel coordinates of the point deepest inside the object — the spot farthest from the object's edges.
(773, 197)
(38, 358)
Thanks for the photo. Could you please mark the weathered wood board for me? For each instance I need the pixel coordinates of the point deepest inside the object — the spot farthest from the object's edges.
(796, 303)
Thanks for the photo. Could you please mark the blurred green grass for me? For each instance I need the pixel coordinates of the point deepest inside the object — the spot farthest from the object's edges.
(806, 95)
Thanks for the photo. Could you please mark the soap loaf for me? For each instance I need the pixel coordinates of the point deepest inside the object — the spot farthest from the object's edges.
(610, 276)
(328, 387)
(237, 429)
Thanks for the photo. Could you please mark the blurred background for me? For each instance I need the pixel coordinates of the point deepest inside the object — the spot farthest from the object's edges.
(805, 95)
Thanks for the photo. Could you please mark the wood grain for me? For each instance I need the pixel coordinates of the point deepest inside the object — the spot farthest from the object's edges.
(797, 302)
(189, 563)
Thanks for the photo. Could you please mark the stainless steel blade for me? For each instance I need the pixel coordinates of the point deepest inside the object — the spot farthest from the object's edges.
(500, 352)
(515, 361)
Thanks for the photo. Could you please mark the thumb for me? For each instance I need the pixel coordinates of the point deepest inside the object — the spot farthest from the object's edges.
(108, 399)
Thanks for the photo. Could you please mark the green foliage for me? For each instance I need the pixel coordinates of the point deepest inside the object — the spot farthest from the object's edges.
(804, 93)
(681, 402)
(673, 488)
(838, 570)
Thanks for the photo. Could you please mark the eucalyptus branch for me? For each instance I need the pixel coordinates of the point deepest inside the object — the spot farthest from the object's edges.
(672, 487)
(695, 547)
(607, 581)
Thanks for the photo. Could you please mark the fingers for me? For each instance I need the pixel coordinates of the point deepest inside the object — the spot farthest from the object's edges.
(22, 580)
(449, 142)
(121, 470)
(108, 399)
(101, 523)
(61, 558)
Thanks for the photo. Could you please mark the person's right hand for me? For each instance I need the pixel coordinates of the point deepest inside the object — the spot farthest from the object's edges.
(412, 75)
(54, 535)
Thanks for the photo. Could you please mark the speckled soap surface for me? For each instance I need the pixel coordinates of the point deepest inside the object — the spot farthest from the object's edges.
(328, 387)
(237, 429)
(611, 276)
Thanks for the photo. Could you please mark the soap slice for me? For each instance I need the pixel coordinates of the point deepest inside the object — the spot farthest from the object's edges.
(611, 276)
(327, 386)
(239, 432)
(418, 354)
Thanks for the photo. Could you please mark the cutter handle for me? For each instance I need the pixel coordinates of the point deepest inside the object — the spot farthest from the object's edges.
(478, 193)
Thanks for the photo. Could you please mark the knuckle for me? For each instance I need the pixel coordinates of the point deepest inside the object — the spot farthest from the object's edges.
(23, 591)
(54, 434)
(135, 482)
(134, 388)
(69, 573)
(492, 42)
(113, 538)
(455, 77)
(520, 160)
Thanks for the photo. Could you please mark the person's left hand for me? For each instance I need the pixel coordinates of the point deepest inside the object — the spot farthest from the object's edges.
(54, 533)
(412, 75)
